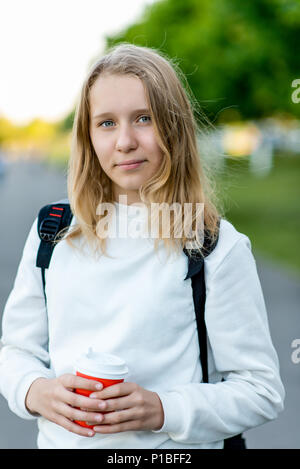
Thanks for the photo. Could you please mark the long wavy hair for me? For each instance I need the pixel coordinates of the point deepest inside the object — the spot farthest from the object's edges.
(181, 178)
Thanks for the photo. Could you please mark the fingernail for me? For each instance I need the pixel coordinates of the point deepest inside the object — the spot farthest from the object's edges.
(99, 386)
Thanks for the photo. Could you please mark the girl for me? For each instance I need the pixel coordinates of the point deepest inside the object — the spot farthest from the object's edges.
(134, 142)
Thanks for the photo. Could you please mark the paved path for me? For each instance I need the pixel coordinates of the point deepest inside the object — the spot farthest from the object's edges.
(26, 187)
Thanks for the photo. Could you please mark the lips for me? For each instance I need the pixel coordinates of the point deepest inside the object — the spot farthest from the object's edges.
(128, 162)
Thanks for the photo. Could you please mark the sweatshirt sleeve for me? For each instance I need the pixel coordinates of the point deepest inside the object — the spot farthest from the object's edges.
(242, 349)
(24, 343)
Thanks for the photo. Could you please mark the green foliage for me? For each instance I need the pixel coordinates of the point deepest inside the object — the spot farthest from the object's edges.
(266, 209)
(67, 123)
(6, 129)
(237, 55)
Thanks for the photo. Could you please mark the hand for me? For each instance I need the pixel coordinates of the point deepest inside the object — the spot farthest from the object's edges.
(129, 407)
(56, 400)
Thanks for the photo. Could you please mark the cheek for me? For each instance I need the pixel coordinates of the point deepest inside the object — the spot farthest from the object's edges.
(103, 150)
(151, 146)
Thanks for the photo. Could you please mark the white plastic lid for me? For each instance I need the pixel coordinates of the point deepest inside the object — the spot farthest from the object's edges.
(101, 365)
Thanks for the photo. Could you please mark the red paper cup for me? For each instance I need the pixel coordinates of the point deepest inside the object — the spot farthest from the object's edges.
(105, 368)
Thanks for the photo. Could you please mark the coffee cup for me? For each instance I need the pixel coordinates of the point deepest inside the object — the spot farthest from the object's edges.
(103, 367)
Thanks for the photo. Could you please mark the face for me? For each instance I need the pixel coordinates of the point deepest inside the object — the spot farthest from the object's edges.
(122, 133)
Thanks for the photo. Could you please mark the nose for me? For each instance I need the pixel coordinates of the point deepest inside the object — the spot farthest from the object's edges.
(126, 139)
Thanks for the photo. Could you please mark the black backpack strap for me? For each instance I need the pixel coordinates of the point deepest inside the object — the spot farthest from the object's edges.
(199, 297)
(196, 273)
(51, 220)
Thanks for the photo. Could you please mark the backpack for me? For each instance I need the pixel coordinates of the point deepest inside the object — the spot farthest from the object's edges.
(54, 217)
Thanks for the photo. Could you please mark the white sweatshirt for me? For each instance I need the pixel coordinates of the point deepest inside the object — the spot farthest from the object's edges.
(137, 305)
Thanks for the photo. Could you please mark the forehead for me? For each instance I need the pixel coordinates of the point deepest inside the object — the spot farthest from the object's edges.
(117, 93)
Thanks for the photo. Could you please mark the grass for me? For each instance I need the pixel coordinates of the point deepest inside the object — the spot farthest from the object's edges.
(265, 208)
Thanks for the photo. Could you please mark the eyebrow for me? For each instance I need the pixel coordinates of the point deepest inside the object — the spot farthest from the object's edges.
(136, 111)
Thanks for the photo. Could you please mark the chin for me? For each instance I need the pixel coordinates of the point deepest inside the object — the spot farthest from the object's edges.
(130, 185)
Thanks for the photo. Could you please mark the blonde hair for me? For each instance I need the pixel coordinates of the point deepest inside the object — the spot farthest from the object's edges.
(180, 179)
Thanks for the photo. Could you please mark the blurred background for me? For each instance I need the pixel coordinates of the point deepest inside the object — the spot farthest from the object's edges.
(241, 61)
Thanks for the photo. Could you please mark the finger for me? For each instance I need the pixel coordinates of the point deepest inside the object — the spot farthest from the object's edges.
(97, 420)
(119, 389)
(77, 400)
(72, 382)
(72, 413)
(73, 427)
(119, 416)
(120, 427)
(116, 403)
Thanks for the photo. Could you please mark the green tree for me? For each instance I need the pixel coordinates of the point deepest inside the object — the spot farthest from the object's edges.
(239, 57)
(7, 130)
(67, 123)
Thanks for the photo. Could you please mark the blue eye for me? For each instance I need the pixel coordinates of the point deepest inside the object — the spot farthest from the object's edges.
(110, 123)
(147, 117)
(105, 122)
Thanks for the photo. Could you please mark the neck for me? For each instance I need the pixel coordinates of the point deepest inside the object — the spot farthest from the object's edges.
(127, 199)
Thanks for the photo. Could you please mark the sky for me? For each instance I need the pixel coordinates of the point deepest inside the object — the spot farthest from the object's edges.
(47, 47)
